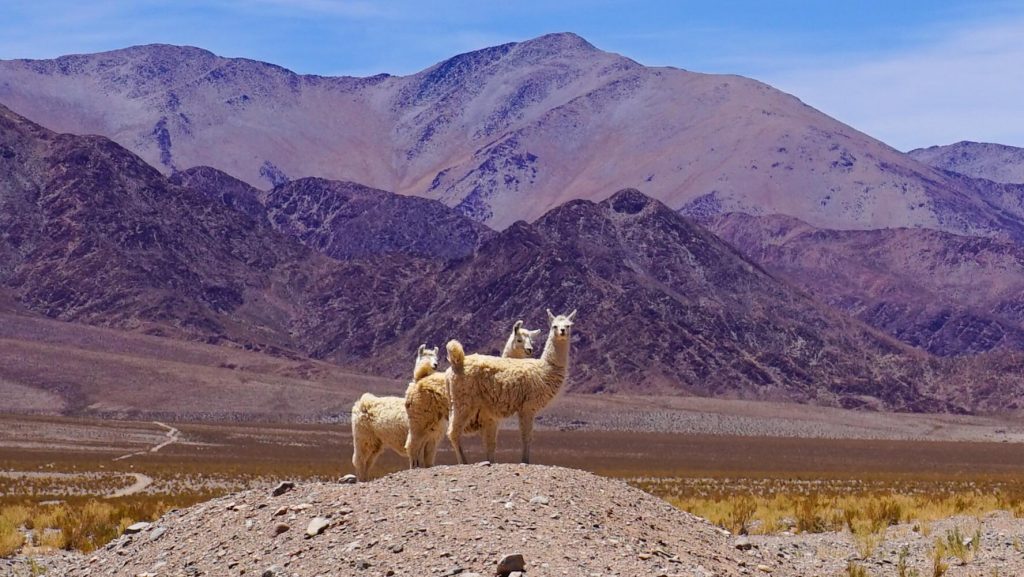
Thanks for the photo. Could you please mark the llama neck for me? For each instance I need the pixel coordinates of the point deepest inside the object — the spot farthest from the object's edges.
(509, 346)
(556, 351)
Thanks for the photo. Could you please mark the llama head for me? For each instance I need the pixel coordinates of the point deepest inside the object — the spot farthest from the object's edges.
(522, 339)
(561, 325)
(426, 361)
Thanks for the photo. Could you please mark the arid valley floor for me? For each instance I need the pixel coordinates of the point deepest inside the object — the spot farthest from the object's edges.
(784, 473)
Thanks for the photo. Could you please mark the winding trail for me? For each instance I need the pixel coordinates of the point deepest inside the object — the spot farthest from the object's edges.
(140, 484)
(142, 481)
(173, 436)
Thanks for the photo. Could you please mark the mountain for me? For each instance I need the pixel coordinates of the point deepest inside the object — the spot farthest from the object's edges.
(92, 234)
(664, 307)
(944, 293)
(505, 133)
(995, 162)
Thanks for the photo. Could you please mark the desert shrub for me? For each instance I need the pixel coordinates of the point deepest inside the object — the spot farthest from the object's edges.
(809, 515)
(939, 565)
(743, 509)
(962, 547)
(856, 570)
(11, 538)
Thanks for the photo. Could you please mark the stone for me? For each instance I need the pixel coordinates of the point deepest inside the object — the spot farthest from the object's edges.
(272, 571)
(317, 526)
(348, 479)
(157, 533)
(282, 488)
(453, 571)
(510, 563)
(539, 500)
(764, 568)
(137, 527)
(484, 464)
(280, 511)
(280, 528)
(743, 543)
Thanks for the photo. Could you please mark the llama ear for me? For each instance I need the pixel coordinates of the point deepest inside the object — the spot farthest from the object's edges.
(572, 315)
(534, 333)
(517, 326)
(551, 317)
(419, 351)
(436, 350)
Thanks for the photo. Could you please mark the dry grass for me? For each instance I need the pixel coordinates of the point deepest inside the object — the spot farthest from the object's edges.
(865, 509)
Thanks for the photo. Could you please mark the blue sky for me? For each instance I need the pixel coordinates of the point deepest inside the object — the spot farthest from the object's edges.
(912, 73)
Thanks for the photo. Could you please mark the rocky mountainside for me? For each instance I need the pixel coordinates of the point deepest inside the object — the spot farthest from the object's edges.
(505, 133)
(944, 293)
(91, 233)
(94, 235)
(995, 162)
(664, 307)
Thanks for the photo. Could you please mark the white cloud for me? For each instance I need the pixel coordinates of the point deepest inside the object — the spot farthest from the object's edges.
(967, 84)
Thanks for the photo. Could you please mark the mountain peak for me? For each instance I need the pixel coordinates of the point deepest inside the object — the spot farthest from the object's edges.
(559, 43)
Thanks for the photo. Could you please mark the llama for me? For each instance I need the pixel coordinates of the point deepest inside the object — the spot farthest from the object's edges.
(428, 403)
(488, 389)
(379, 422)
(520, 343)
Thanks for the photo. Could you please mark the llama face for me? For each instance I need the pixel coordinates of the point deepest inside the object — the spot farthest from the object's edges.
(426, 357)
(561, 325)
(524, 340)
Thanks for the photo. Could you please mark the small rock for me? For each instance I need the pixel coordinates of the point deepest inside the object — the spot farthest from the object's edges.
(396, 548)
(157, 533)
(764, 568)
(280, 528)
(317, 526)
(137, 527)
(645, 556)
(282, 488)
(348, 479)
(484, 464)
(510, 563)
(539, 500)
(363, 565)
(453, 571)
(272, 571)
(743, 543)
(280, 511)
(301, 507)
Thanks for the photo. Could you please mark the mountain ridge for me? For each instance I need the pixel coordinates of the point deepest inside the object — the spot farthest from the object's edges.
(504, 133)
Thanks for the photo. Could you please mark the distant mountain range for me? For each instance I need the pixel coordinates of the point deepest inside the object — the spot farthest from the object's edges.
(995, 162)
(94, 235)
(247, 206)
(503, 134)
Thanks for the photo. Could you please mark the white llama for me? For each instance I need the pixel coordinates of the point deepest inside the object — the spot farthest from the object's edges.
(487, 389)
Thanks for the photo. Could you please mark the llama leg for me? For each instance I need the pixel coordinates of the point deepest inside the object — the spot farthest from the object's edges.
(429, 452)
(364, 456)
(455, 429)
(526, 433)
(489, 432)
(412, 443)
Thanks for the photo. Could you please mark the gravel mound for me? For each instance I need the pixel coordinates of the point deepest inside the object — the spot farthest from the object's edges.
(444, 521)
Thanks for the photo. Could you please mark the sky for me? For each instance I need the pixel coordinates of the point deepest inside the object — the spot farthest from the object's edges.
(912, 73)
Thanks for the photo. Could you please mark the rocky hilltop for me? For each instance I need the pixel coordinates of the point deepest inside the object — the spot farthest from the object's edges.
(504, 134)
(995, 162)
(441, 521)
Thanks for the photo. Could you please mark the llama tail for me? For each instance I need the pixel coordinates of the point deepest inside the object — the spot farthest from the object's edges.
(361, 408)
(456, 356)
